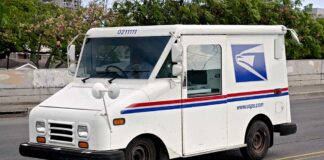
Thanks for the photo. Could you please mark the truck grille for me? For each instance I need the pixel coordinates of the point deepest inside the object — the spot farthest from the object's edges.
(61, 132)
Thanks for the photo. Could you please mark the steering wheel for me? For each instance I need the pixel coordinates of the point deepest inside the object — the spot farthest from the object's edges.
(124, 75)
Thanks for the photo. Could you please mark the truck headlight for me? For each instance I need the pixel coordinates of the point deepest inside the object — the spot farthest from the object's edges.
(83, 131)
(40, 127)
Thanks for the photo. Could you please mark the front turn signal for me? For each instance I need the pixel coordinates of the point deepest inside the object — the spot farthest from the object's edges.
(41, 139)
(119, 121)
(84, 145)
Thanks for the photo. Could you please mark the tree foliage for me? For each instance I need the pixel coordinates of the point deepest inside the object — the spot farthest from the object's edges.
(14, 14)
(245, 12)
(29, 25)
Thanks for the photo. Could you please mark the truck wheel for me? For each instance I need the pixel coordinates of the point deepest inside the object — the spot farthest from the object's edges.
(257, 140)
(141, 149)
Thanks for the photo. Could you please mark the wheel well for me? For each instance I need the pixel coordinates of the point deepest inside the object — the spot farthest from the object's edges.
(267, 121)
(162, 152)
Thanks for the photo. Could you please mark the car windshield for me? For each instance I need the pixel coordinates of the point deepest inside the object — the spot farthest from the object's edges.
(121, 57)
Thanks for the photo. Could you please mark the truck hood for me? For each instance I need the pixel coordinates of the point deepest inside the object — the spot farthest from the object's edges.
(80, 97)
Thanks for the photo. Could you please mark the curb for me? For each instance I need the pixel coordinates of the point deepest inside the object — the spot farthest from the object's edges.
(15, 110)
(309, 95)
(14, 114)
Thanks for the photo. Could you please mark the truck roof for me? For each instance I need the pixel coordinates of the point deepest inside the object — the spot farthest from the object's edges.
(164, 30)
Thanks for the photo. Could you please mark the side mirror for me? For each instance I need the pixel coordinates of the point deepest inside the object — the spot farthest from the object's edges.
(98, 91)
(176, 53)
(71, 59)
(71, 53)
(113, 91)
(177, 69)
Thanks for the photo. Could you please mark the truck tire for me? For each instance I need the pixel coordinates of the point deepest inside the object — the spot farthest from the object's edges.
(141, 149)
(257, 140)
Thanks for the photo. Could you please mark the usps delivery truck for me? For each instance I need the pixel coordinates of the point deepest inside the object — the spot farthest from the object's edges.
(163, 92)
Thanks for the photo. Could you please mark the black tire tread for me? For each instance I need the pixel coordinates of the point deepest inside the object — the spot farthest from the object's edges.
(247, 151)
(141, 141)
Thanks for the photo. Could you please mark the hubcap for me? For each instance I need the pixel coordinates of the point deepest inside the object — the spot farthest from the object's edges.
(258, 141)
(140, 153)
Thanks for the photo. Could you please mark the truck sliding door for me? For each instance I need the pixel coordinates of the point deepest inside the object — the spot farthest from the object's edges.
(204, 111)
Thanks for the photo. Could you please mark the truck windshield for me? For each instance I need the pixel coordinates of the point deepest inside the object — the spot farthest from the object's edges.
(121, 57)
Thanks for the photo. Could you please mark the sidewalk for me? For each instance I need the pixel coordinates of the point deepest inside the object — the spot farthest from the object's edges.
(306, 92)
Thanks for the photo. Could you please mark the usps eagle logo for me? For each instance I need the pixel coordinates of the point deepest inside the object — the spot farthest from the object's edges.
(249, 62)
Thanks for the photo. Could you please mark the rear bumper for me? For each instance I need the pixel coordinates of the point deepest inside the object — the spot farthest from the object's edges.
(55, 152)
(286, 129)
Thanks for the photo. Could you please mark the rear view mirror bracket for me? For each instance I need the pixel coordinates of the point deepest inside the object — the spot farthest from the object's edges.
(294, 35)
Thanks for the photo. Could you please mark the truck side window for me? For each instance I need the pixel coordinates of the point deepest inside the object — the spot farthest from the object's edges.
(204, 70)
(166, 69)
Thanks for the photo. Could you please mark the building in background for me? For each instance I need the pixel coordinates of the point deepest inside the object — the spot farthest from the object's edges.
(318, 12)
(73, 4)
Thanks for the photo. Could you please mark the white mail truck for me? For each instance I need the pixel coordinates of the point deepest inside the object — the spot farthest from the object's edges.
(163, 92)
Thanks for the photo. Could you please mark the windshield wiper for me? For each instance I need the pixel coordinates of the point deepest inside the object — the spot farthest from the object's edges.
(91, 76)
(85, 79)
(112, 79)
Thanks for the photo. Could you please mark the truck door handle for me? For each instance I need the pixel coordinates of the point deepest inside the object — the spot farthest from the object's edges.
(277, 91)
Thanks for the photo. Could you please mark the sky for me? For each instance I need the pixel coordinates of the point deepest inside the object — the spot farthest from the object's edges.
(316, 3)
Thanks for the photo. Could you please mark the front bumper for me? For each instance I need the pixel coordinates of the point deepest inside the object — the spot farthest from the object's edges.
(62, 153)
(286, 129)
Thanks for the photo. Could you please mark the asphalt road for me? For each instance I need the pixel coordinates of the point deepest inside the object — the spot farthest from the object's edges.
(308, 143)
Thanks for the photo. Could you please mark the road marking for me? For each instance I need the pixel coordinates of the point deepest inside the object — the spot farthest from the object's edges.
(311, 157)
(304, 156)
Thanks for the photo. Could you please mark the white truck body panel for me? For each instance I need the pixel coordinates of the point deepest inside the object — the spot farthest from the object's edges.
(161, 107)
